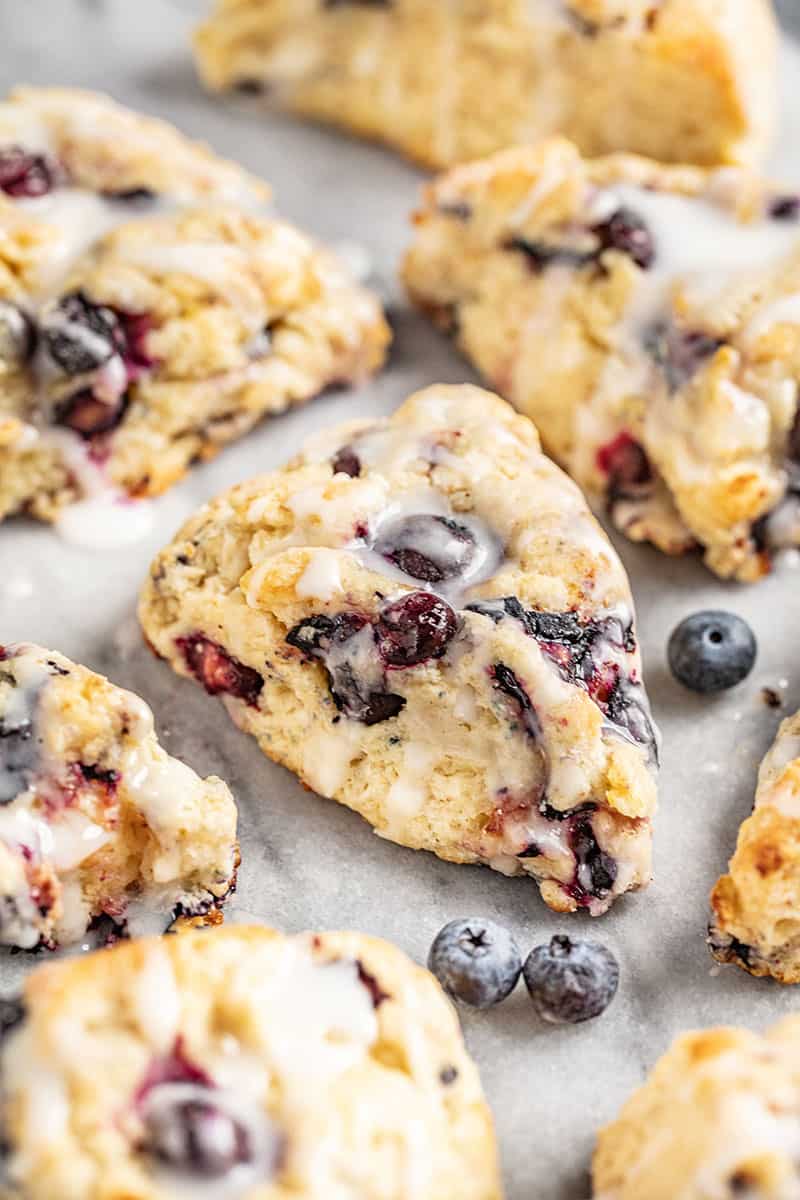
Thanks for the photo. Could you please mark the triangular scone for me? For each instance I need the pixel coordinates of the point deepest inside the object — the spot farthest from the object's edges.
(647, 318)
(422, 619)
(756, 906)
(690, 80)
(718, 1117)
(151, 309)
(96, 819)
(240, 1063)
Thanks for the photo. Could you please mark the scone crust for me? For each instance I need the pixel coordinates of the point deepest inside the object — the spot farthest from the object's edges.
(755, 904)
(98, 822)
(395, 1111)
(455, 761)
(220, 313)
(611, 74)
(669, 396)
(713, 1118)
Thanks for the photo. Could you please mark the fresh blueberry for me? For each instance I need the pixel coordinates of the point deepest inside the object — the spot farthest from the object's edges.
(627, 232)
(414, 629)
(427, 547)
(571, 981)
(218, 671)
(476, 961)
(711, 651)
(24, 174)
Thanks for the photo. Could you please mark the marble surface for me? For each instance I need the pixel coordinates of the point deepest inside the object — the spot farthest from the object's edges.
(310, 863)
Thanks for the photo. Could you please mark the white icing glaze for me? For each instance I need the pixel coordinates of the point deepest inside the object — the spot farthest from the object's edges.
(155, 1000)
(80, 218)
(697, 239)
(109, 522)
(407, 795)
(321, 578)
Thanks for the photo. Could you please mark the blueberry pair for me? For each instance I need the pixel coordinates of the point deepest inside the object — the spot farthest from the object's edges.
(478, 962)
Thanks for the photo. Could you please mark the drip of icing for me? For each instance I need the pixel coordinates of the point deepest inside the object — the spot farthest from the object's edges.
(106, 518)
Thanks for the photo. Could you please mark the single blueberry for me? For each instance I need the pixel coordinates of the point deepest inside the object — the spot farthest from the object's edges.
(711, 651)
(188, 1131)
(80, 336)
(627, 232)
(476, 961)
(427, 547)
(416, 628)
(346, 462)
(571, 981)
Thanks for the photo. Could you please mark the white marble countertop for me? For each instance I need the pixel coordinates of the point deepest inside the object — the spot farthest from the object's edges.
(310, 863)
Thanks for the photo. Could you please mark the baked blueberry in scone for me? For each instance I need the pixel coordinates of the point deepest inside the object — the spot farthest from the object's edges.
(150, 309)
(682, 80)
(719, 1116)
(241, 1065)
(756, 905)
(98, 824)
(648, 319)
(422, 619)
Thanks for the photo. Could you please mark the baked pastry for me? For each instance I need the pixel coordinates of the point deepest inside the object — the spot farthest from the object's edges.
(99, 826)
(718, 1117)
(755, 921)
(242, 1063)
(149, 312)
(421, 618)
(682, 80)
(647, 318)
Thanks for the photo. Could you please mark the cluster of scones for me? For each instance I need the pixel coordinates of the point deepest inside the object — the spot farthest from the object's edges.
(419, 616)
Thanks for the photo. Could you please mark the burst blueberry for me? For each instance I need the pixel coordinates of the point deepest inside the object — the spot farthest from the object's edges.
(570, 981)
(712, 651)
(476, 961)
(427, 547)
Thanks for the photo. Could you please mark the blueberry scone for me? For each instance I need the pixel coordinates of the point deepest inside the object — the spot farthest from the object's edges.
(150, 309)
(718, 1119)
(243, 1065)
(755, 921)
(98, 824)
(648, 319)
(687, 80)
(422, 619)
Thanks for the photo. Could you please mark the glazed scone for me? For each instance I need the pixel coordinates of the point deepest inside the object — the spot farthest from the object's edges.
(242, 1064)
(648, 319)
(150, 309)
(97, 821)
(718, 1118)
(421, 618)
(755, 921)
(682, 80)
